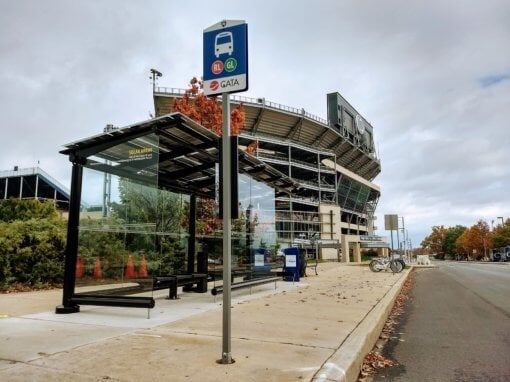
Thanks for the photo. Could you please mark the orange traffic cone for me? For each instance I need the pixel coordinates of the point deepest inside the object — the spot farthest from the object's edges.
(98, 274)
(130, 268)
(142, 270)
(80, 269)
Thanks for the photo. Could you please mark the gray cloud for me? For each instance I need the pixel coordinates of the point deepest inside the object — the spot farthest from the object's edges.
(432, 77)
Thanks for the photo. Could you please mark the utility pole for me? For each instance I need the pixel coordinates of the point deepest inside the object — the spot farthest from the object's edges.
(404, 236)
(107, 181)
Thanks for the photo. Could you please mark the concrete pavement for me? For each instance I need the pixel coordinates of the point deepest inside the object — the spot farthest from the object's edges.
(318, 329)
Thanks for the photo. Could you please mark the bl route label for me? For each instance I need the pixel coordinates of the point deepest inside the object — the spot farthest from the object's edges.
(226, 57)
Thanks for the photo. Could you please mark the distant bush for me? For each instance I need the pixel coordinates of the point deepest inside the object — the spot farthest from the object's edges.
(16, 209)
(32, 252)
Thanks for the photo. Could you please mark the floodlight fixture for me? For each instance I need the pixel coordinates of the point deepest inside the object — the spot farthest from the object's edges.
(156, 73)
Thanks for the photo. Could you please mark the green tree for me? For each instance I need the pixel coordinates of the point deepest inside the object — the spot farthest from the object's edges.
(450, 238)
(156, 218)
(501, 235)
(107, 245)
(22, 209)
(32, 242)
(146, 205)
(32, 252)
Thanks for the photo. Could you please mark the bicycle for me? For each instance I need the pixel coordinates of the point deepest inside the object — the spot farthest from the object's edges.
(379, 264)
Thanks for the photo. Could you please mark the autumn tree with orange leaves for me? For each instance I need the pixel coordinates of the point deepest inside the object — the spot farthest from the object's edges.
(476, 241)
(207, 111)
(435, 242)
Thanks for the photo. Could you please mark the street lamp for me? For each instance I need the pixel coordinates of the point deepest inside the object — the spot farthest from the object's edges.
(484, 245)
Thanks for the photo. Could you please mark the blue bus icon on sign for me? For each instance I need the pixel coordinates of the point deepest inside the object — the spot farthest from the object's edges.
(225, 61)
(223, 44)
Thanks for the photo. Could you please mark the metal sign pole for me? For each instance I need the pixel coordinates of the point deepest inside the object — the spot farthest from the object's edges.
(404, 238)
(226, 71)
(226, 356)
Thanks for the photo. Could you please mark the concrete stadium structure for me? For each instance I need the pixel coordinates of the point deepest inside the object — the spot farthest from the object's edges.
(334, 162)
(33, 183)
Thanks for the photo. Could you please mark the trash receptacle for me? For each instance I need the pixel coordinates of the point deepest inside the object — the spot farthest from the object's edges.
(260, 258)
(292, 263)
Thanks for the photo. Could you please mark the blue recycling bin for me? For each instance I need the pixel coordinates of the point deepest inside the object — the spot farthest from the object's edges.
(292, 263)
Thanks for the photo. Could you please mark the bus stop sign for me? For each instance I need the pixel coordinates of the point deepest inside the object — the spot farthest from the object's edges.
(226, 57)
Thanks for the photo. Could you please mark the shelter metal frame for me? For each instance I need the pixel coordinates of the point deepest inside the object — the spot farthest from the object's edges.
(188, 155)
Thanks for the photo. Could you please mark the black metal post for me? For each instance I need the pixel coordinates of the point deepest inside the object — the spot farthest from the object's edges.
(248, 233)
(192, 233)
(331, 223)
(234, 167)
(234, 178)
(71, 252)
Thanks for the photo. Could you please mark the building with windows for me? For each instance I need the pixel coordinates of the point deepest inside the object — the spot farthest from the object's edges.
(333, 161)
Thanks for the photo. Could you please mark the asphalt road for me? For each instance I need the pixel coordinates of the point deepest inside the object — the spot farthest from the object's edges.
(456, 326)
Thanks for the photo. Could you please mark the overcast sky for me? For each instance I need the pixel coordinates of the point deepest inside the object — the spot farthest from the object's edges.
(432, 77)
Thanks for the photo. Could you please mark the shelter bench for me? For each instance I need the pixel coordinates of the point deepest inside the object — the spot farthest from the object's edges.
(217, 274)
(172, 282)
(245, 284)
(118, 296)
(109, 300)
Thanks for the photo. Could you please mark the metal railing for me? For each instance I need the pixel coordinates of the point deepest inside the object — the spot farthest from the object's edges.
(278, 106)
(33, 171)
(254, 101)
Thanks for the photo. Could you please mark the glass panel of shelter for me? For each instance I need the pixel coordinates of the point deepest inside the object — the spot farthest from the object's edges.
(131, 230)
(254, 239)
(120, 240)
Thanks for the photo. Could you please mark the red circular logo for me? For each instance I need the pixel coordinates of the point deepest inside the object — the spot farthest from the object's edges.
(217, 67)
(214, 85)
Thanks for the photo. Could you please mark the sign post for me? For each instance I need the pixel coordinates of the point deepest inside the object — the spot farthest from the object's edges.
(225, 72)
(226, 354)
(391, 224)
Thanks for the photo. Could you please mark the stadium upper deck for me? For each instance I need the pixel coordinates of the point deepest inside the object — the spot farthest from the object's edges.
(334, 162)
(348, 135)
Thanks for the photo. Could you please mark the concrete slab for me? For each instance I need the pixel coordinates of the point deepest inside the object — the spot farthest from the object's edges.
(165, 311)
(287, 335)
(180, 357)
(24, 340)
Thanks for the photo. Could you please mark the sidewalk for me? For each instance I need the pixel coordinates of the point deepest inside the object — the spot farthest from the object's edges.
(318, 329)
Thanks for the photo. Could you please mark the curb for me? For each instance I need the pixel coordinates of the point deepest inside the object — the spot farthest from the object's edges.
(345, 363)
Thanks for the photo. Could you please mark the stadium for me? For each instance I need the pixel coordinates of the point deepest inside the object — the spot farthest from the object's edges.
(144, 200)
(333, 161)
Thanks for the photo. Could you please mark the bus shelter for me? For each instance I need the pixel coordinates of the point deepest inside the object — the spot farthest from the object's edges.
(135, 195)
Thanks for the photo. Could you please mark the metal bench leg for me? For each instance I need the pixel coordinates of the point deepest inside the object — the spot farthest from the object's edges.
(172, 290)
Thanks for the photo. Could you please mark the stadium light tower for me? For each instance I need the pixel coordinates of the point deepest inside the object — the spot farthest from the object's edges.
(154, 75)
(502, 221)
